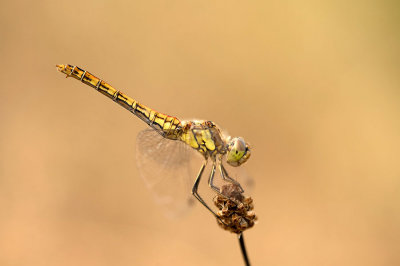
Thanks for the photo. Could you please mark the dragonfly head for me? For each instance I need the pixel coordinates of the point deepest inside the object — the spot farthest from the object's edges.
(238, 151)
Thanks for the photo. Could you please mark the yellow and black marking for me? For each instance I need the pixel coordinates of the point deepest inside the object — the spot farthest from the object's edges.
(167, 126)
(204, 136)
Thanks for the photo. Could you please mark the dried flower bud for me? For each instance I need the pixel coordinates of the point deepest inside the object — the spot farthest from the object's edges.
(235, 211)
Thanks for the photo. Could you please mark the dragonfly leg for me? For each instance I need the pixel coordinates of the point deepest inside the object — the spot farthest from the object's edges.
(226, 177)
(211, 180)
(216, 189)
(196, 186)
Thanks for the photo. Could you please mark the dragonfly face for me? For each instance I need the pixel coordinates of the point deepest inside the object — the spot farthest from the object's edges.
(238, 152)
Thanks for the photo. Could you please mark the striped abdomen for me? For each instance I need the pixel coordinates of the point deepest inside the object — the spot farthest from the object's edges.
(166, 125)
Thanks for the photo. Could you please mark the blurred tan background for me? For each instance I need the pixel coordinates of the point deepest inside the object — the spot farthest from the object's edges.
(314, 87)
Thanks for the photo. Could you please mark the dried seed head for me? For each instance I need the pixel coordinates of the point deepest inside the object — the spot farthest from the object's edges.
(236, 212)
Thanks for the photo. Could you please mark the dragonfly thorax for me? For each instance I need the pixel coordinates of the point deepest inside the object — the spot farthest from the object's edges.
(204, 136)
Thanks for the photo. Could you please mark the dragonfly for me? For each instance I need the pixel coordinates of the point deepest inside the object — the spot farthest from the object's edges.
(168, 143)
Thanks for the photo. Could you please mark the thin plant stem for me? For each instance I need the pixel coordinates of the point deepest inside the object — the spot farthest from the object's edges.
(243, 249)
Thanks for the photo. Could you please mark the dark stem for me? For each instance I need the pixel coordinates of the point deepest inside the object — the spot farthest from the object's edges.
(243, 249)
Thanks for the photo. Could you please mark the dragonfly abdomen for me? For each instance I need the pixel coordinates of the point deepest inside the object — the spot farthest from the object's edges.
(167, 126)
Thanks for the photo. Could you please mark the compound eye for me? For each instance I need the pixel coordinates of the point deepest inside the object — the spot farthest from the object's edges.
(236, 150)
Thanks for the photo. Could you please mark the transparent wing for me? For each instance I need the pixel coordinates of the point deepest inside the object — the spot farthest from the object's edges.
(168, 168)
